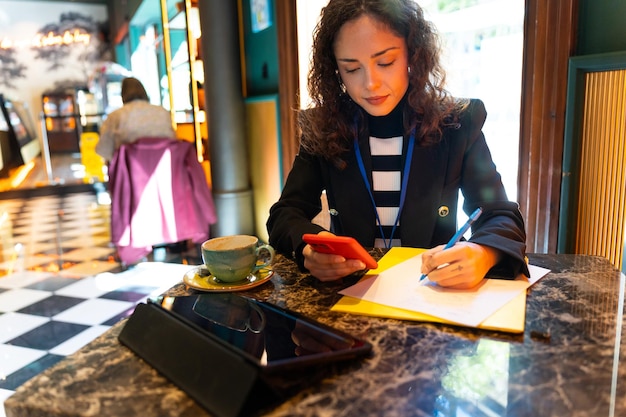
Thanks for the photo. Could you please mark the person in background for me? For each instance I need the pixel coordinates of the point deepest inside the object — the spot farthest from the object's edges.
(160, 197)
(392, 149)
(135, 119)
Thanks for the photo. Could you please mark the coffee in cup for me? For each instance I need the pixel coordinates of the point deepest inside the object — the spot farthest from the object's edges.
(234, 258)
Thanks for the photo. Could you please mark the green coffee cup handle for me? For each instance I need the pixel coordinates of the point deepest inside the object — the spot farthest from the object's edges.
(270, 256)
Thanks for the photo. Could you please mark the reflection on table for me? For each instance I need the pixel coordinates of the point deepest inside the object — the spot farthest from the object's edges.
(567, 362)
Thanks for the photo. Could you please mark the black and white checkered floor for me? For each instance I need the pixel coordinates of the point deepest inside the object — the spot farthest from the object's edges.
(61, 284)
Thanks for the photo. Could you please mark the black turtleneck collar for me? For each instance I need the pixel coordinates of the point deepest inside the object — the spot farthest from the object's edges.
(390, 125)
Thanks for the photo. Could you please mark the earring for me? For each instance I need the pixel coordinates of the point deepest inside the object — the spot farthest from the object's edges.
(342, 86)
(409, 69)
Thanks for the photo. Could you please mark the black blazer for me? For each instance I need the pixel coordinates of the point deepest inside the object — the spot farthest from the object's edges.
(461, 161)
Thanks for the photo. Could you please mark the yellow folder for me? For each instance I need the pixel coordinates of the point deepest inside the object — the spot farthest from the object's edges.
(510, 318)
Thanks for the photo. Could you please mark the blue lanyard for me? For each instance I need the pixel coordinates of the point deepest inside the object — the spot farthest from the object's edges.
(405, 180)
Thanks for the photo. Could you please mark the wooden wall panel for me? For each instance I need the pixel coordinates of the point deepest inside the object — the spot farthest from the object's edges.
(549, 41)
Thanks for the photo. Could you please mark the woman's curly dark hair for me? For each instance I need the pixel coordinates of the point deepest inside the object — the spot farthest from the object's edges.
(328, 128)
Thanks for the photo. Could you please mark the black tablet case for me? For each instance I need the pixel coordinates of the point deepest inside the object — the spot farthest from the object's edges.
(172, 347)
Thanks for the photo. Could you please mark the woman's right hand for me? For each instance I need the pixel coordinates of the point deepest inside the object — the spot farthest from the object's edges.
(329, 267)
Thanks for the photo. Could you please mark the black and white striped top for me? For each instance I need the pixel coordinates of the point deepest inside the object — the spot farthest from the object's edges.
(387, 149)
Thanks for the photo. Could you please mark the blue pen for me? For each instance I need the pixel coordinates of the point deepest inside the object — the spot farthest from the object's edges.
(459, 234)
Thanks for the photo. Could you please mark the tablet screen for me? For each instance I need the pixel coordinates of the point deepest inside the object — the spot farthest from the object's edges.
(271, 337)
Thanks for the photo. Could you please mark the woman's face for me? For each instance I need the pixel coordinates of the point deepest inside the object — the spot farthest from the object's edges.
(373, 64)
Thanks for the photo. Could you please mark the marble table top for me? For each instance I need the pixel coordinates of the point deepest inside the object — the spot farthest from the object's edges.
(566, 363)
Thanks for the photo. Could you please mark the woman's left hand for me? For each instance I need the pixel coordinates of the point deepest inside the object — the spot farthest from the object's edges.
(462, 266)
(329, 267)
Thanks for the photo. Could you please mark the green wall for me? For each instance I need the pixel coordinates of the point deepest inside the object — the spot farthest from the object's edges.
(602, 26)
(261, 54)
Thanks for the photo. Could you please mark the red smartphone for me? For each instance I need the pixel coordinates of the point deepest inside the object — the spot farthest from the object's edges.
(345, 246)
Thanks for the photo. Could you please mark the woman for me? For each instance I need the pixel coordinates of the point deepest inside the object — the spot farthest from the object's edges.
(393, 149)
(137, 118)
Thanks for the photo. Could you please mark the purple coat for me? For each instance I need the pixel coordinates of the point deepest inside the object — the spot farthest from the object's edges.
(159, 195)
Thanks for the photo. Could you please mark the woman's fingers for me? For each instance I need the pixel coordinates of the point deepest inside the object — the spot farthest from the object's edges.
(329, 267)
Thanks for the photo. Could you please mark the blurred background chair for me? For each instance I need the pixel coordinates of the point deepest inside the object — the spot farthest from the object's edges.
(159, 195)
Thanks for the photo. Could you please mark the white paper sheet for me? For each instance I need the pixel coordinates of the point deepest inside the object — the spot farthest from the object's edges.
(400, 287)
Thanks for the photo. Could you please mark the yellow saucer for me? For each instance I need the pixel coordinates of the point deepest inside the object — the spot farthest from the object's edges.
(201, 279)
